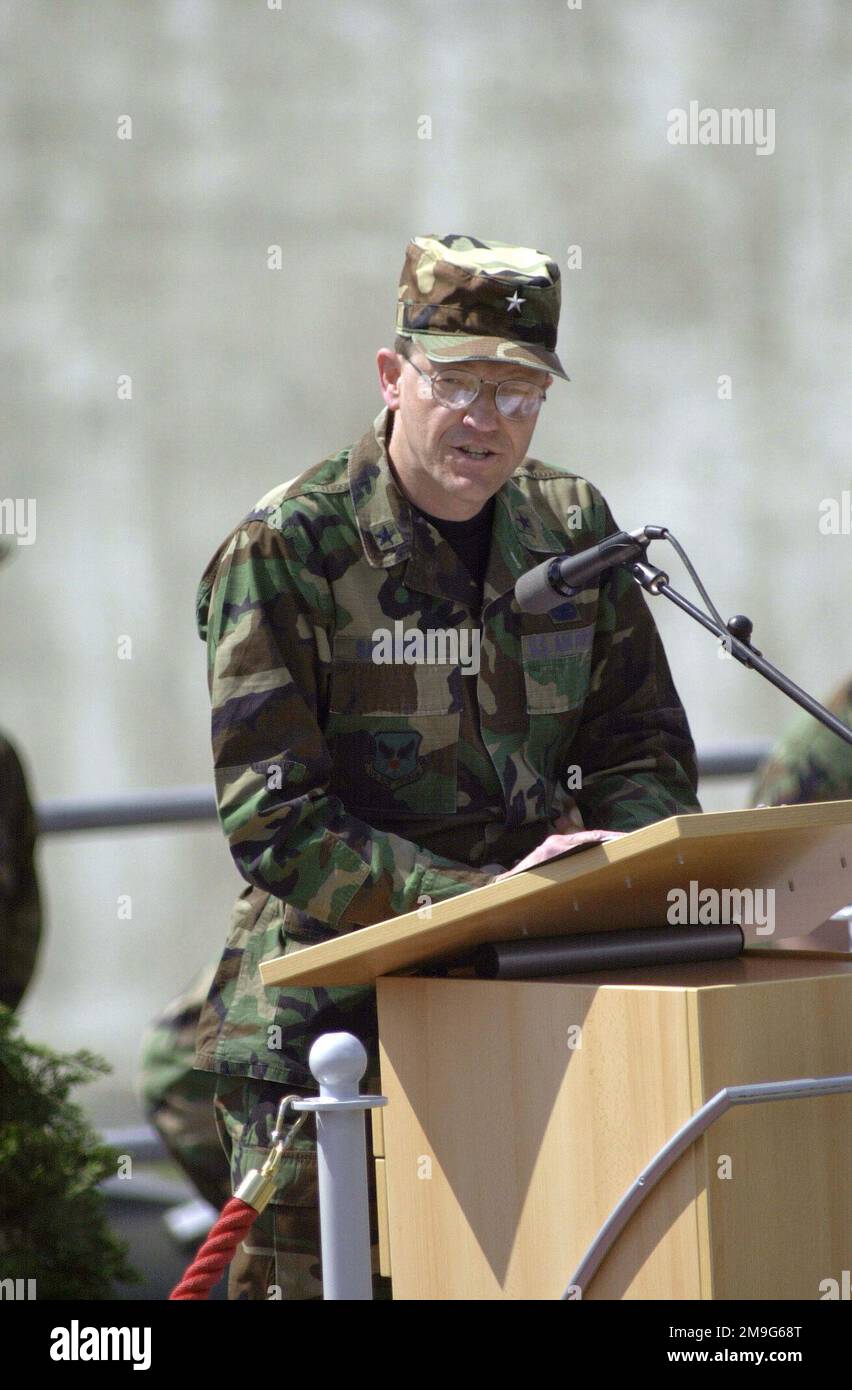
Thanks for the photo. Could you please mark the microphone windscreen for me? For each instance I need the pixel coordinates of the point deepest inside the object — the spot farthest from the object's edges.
(534, 593)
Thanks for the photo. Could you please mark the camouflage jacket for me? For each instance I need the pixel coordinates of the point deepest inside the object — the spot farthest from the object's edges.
(351, 789)
(809, 763)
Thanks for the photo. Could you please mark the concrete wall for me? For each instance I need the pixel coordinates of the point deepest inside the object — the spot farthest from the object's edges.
(302, 127)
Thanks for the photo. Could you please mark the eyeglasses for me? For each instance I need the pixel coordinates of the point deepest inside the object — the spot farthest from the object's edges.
(457, 389)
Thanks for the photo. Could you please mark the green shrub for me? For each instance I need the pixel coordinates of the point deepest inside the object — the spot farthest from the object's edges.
(53, 1225)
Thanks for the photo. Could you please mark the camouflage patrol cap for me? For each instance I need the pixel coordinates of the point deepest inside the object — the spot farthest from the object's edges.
(462, 300)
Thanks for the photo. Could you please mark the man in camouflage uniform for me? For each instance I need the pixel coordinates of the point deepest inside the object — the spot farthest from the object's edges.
(20, 904)
(352, 787)
(20, 901)
(178, 1099)
(810, 763)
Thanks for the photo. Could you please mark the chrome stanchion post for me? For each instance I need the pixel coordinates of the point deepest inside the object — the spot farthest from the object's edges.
(338, 1061)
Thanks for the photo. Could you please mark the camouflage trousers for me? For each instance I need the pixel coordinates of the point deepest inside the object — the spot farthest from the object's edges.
(281, 1257)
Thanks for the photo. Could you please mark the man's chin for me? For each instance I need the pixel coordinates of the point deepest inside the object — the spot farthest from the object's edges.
(473, 489)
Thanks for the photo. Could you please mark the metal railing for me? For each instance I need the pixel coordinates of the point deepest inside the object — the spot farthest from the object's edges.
(664, 1159)
(190, 805)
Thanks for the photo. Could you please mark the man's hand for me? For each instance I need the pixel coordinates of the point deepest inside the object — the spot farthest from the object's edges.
(567, 837)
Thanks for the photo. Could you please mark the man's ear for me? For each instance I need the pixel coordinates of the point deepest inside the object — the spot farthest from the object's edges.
(390, 365)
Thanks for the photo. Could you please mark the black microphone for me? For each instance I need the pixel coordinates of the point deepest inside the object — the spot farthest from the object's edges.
(560, 578)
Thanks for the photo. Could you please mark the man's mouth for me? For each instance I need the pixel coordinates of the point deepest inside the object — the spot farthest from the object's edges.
(470, 452)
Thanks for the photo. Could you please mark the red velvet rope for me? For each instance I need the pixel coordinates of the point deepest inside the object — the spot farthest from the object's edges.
(233, 1225)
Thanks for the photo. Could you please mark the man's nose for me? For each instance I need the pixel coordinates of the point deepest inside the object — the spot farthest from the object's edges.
(482, 412)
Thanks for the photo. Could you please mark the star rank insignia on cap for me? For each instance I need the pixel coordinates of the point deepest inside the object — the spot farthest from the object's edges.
(514, 302)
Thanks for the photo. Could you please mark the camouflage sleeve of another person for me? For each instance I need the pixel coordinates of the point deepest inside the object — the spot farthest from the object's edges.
(810, 763)
(20, 905)
(634, 748)
(268, 667)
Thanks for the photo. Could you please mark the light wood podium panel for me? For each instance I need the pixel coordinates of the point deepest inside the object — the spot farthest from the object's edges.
(505, 1148)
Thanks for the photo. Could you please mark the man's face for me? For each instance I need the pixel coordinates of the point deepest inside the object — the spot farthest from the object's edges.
(427, 436)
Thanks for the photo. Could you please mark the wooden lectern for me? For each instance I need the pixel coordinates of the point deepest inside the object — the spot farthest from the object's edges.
(520, 1111)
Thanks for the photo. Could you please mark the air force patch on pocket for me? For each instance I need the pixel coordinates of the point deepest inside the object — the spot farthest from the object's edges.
(393, 758)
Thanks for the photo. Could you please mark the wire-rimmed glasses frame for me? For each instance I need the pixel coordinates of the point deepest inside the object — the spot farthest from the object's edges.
(531, 395)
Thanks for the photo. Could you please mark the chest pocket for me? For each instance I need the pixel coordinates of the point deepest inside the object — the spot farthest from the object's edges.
(393, 732)
(557, 669)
